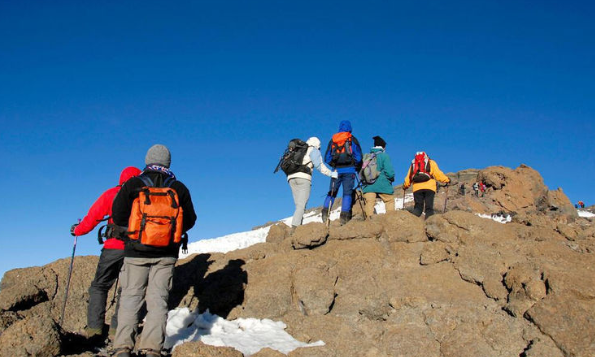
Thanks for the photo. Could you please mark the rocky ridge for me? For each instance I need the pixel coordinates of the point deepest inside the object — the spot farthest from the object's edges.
(394, 285)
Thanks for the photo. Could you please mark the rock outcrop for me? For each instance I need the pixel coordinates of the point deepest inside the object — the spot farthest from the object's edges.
(453, 285)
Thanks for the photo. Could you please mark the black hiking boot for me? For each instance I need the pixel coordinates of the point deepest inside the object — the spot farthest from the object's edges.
(345, 217)
(96, 337)
(324, 215)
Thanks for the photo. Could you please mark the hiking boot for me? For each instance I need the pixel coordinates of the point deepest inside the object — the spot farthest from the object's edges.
(345, 217)
(122, 352)
(95, 337)
(150, 353)
(324, 215)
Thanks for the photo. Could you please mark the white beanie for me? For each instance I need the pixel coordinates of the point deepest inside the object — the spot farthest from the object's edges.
(314, 141)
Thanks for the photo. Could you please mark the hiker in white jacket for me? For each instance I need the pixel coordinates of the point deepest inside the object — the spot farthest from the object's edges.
(301, 182)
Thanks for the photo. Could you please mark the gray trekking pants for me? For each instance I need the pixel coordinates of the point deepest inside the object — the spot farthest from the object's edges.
(300, 188)
(150, 280)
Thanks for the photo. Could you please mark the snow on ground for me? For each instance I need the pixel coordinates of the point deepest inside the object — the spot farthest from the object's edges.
(245, 335)
(228, 243)
(585, 214)
(496, 217)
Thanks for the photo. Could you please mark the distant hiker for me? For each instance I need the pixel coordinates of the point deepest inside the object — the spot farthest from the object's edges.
(300, 177)
(377, 176)
(462, 189)
(482, 188)
(110, 261)
(581, 204)
(151, 249)
(344, 155)
(476, 188)
(423, 174)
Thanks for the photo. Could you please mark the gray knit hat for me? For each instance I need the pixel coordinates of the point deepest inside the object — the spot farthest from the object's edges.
(158, 154)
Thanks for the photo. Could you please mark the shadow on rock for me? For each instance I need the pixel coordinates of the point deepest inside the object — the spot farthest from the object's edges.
(187, 281)
(223, 290)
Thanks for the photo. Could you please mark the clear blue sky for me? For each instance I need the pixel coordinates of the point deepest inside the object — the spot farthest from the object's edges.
(87, 87)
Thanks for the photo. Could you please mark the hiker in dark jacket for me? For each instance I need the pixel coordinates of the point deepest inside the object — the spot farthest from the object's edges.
(344, 155)
(110, 261)
(148, 270)
(382, 187)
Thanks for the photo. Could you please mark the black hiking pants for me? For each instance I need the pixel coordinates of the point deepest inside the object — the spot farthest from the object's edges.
(423, 198)
(108, 269)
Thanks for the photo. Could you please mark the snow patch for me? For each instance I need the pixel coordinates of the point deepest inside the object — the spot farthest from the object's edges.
(585, 214)
(496, 217)
(245, 335)
(228, 243)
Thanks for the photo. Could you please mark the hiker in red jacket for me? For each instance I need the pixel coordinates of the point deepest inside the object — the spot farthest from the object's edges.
(110, 261)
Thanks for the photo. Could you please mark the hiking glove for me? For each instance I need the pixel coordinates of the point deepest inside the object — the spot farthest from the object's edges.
(72, 228)
(334, 174)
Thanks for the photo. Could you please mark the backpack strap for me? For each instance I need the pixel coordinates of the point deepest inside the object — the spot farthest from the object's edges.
(168, 181)
(147, 180)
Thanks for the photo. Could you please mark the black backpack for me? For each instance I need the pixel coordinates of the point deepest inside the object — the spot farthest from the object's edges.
(291, 161)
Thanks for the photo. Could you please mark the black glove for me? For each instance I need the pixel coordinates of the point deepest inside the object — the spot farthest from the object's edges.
(72, 229)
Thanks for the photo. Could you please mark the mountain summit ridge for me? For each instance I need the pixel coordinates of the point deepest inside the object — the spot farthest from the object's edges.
(453, 285)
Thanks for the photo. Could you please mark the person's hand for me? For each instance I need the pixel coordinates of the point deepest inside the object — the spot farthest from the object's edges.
(72, 228)
(405, 187)
(334, 174)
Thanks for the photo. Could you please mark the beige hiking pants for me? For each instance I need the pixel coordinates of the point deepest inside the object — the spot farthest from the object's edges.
(150, 280)
(370, 198)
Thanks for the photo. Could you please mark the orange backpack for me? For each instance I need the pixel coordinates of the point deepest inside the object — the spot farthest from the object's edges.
(156, 217)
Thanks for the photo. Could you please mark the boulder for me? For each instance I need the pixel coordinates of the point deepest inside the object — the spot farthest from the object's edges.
(35, 336)
(314, 285)
(309, 236)
(402, 226)
(277, 233)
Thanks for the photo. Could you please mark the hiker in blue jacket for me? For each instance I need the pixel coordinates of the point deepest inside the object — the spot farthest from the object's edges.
(344, 155)
(383, 186)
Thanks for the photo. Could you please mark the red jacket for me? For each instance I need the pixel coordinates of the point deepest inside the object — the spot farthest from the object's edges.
(103, 207)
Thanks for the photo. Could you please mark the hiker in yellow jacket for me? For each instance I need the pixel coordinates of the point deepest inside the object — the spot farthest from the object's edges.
(423, 174)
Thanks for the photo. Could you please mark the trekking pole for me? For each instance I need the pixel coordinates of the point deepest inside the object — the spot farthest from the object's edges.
(445, 199)
(115, 293)
(328, 217)
(361, 199)
(68, 281)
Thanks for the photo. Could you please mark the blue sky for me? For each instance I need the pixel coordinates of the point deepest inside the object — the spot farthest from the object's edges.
(87, 88)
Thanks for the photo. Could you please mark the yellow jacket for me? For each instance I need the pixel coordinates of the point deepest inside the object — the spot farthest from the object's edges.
(436, 174)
